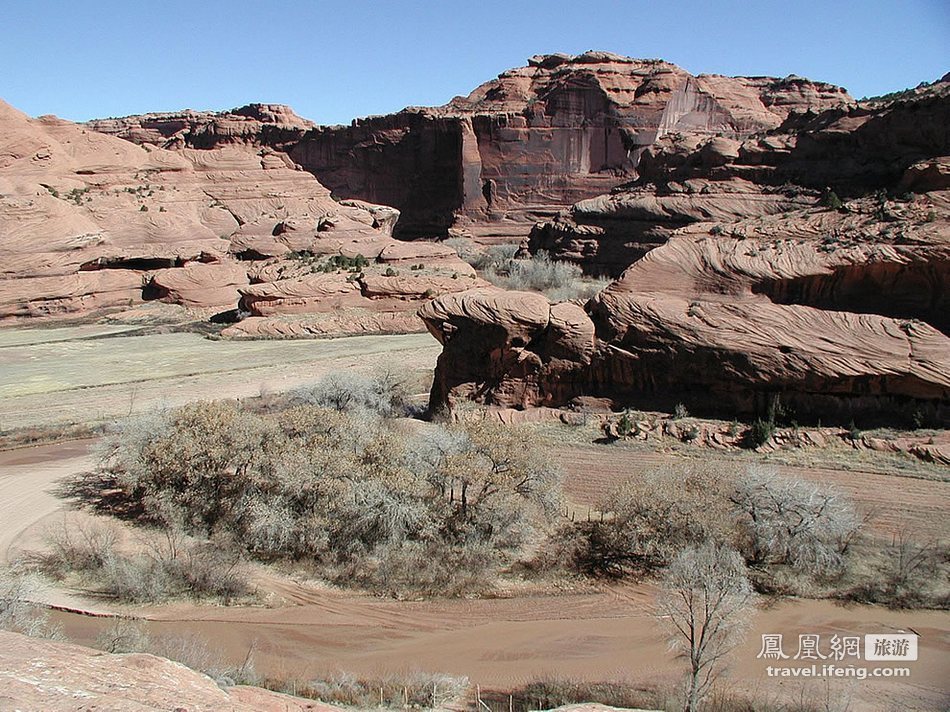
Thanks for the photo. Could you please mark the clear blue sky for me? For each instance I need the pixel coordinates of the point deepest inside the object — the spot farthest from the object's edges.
(333, 61)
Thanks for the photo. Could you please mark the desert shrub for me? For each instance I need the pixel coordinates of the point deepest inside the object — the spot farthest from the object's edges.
(904, 572)
(423, 568)
(382, 393)
(127, 635)
(19, 612)
(785, 528)
(558, 280)
(541, 273)
(334, 263)
(76, 545)
(792, 522)
(763, 428)
(165, 564)
(194, 651)
(625, 424)
(187, 468)
(491, 258)
(336, 487)
(494, 257)
(124, 635)
(552, 692)
(417, 690)
(830, 199)
(759, 433)
(580, 289)
(132, 579)
(464, 247)
(649, 519)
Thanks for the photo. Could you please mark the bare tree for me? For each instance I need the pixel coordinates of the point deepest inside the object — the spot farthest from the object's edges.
(706, 600)
(18, 589)
(784, 520)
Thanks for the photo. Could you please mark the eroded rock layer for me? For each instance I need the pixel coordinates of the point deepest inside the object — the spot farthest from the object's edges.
(690, 177)
(91, 222)
(835, 327)
(524, 145)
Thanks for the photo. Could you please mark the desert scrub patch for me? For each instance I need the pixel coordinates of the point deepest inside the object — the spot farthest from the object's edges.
(560, 281)
(332, 484)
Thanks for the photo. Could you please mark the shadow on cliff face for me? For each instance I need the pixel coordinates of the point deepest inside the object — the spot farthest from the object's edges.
(915, 290)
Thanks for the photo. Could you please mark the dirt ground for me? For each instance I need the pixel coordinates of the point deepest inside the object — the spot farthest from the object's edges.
(607, 633)
(96, 373)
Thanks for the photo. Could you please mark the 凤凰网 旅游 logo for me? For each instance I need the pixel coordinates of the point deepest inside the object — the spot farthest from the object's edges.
(873, 647)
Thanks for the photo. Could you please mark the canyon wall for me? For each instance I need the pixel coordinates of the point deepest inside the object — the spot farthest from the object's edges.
(808, 265)
(518, 148)
(91, 223)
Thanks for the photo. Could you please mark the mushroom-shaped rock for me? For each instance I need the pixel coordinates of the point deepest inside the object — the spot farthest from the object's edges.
(513, 318)
(485, 335)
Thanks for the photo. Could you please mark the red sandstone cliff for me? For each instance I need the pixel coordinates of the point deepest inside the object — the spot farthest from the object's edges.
(534, 140)
(91, 222)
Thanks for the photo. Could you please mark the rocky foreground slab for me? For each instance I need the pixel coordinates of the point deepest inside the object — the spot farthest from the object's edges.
(61, 677)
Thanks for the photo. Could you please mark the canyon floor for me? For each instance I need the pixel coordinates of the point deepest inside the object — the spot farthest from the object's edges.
(95, 372)
(98, 372)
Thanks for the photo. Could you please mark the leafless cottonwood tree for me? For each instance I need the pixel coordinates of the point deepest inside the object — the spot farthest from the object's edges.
(783, 520)
(706, 601)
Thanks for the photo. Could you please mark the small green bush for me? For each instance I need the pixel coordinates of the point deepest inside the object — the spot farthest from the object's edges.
(760, 432)
(830, 199)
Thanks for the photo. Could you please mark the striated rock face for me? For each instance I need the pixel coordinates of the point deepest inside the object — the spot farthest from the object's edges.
(542, 136)
(689, 177)
(837, 327)
(46, 675)
(536, 139)
(90, 222)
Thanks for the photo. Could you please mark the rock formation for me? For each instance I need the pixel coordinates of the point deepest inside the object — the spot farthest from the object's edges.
(524, 145)
(90, 222)
(838, 314)
(61, 677)
(256, 125)
(689, 177)
(751, 269)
